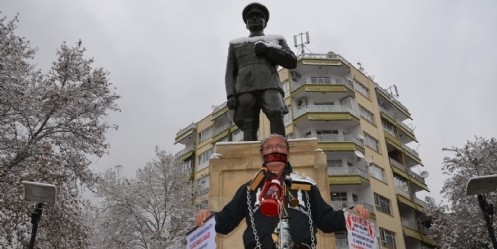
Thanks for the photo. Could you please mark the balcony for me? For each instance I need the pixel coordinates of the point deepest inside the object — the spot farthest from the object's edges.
(416, 176)
(403, 191)
(339, 138)
(219, 108)
(325, 109)
(347, 171)
(389, 96)
(411, 151)
(322, 81)
(409, 223)
(347, 204)
(184, 151)
(186, 133)
(420, 202)
(189, 127)
(397, 164)
(218, 130)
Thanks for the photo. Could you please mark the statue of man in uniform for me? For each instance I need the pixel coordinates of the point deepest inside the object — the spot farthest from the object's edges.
(252, 81)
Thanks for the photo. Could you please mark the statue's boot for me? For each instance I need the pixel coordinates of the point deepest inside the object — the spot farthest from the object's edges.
(277, 126)
(249, 135)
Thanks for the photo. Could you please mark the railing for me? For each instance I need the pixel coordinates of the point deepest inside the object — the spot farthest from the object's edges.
(324, 108)
(347, 204)
(320, 56)
(339, 138)
(221, 129)
(406, 127)
(191, 126)
(347, 170)
(401, 191)
(384, 91)
(392, 116)
(342, 244)
(219, 107)
(412, 151)
(410, 223)
(397, 164)
(389, 131)
(324, 81)
(416, 176)
(419, 202)
(184, 151)
(388, 113)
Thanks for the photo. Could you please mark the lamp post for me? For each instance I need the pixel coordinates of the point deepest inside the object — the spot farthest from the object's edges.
(41, 193)
(479, 185)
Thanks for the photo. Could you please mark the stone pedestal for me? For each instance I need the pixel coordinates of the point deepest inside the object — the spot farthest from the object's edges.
(237, 162)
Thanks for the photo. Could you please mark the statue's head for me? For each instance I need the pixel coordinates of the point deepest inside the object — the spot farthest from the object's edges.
(253, 9)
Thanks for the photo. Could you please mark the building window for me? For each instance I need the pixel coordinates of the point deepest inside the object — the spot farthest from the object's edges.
(324, 103)
(381, 203)
(355, 198)
(205, 134)
(320, 80)
(369, 116)
(389, 127)
(387, 238)
(237, 136)
(186, 167)
(334, 163)
(377, 172)
(401, 186)
(361, 89)
(339, 196)
(203, 159)
(371, 142)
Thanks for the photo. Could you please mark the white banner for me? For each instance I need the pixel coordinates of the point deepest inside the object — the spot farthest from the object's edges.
(203, 237)
(360, 232)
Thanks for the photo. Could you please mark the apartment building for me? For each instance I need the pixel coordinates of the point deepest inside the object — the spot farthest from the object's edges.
(362, 128)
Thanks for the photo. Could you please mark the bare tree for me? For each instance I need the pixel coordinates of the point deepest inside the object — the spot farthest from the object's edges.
(460, 224)
(50, 125)
(154, 210)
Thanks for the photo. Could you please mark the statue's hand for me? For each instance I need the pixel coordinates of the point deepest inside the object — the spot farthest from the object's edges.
(231, 103)
(260, 48)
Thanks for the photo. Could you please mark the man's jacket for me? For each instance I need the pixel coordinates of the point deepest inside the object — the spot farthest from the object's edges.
(323, 217)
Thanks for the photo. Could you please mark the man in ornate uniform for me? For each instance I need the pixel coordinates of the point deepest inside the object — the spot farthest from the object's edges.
(252, 81)
(264, 210)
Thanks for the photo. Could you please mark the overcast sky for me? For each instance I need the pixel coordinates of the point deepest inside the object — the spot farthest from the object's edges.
(167, 59)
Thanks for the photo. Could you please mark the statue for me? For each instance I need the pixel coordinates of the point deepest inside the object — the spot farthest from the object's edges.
(252, 81)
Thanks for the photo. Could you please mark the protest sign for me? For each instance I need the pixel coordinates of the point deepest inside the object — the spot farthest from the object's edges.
(202, 237)
(361, 233)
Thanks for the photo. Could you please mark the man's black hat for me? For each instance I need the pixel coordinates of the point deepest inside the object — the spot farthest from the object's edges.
(255, 7)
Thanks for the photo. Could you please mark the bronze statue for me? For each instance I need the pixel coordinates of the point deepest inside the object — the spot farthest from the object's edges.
(252, 81)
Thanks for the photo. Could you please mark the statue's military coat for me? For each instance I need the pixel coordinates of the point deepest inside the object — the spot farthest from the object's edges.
(247, 72)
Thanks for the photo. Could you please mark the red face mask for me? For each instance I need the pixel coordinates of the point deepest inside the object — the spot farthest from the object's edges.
(275, 157)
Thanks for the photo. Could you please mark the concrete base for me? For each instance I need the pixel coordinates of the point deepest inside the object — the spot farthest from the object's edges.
(236, 163)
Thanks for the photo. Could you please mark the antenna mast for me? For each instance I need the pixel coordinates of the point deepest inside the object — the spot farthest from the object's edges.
(301, 46)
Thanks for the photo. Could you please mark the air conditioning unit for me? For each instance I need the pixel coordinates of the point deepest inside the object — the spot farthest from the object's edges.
(301, 102)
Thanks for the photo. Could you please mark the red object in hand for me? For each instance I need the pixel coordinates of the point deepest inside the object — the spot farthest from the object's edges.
(271, 197)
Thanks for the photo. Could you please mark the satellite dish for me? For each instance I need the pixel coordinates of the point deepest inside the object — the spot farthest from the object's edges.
(359, 154)
(424, 174)
(361, 136)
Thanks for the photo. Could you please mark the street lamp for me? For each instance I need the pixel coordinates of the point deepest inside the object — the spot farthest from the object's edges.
(478, 185)
(41, 193)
